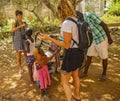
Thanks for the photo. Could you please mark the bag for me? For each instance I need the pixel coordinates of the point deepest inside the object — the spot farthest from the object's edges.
(73, 59)
(84, 33)
(22, 35)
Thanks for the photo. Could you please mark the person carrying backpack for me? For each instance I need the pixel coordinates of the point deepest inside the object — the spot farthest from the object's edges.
(18, 29)
(101, 39)
(73, 56)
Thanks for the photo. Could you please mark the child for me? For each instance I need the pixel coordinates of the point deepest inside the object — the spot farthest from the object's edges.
(53, 47)
(40, 73)
(30, 45)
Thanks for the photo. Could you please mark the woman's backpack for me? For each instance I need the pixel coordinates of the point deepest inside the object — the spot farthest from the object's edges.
(84, 33)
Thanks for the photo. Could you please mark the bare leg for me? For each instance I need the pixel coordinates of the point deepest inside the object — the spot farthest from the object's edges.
(19, 59)
(76, 84)
(25, 54)
(88, 62)
(104, 63)
(66, 85)
(103, 76)
(30, 73)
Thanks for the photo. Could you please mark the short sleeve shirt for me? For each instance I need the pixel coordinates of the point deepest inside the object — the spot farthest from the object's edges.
(98, 32)
(70, 27)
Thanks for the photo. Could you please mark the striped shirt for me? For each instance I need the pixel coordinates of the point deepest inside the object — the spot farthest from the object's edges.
(98, 32)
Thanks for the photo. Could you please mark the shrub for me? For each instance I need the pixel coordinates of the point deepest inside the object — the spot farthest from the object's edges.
(114, 9)
(110, 18)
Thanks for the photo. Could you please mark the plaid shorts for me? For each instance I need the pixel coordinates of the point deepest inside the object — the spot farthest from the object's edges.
(30, 60)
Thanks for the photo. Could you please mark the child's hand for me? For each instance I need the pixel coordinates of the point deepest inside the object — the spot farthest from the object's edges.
(38, 67)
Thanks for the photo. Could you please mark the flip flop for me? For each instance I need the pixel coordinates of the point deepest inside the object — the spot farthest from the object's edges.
(76, 98)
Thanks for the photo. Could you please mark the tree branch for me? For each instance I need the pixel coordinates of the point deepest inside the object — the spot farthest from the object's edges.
(50, 6)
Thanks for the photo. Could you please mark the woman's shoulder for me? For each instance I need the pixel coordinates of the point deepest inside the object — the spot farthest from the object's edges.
(69, 22)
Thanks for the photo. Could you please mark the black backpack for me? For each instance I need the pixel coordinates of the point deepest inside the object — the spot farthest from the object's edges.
(84, 33)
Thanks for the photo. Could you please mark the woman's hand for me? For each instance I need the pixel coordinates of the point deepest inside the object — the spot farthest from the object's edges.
(44, 37)
(22, 25)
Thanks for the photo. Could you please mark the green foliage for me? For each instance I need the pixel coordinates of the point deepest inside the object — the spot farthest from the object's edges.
(51, 25)
(8, 26)
(32, 23)
(87, 8)
(52, 22)
(114, 9)
(110, 18)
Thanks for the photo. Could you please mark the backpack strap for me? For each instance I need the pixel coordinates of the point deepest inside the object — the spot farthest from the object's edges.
(71, 19)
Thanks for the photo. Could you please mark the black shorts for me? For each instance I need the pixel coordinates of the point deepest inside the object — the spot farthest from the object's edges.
(73, 59)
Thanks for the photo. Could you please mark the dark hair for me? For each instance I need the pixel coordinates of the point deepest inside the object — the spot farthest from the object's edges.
(53, 35)
(18, 12)
(79, 14)
(29, 32)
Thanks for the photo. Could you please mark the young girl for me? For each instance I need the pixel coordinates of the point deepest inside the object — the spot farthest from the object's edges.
(30, 45)
(53, 47)
(41, 73)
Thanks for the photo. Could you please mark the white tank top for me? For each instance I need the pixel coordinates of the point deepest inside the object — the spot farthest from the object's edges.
(32, 46)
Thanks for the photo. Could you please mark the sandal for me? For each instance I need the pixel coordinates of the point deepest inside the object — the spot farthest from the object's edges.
(76, 99)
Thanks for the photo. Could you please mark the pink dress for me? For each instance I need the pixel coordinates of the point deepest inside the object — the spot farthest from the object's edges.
(42, 75)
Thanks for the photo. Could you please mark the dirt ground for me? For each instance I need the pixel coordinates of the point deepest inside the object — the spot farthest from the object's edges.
(14, 88)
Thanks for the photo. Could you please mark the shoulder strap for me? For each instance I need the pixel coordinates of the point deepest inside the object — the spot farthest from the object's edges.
(71, 19)
(16, 23)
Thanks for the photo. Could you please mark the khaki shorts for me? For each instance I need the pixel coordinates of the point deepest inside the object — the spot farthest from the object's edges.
(99, 50)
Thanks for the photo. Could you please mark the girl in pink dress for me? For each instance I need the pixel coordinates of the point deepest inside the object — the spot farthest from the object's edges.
(41, 73)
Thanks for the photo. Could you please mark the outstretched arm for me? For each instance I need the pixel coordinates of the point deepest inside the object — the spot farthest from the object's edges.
(65, 44)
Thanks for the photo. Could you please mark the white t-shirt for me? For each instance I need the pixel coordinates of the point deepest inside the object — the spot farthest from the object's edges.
(32, 46)
(70, 27)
